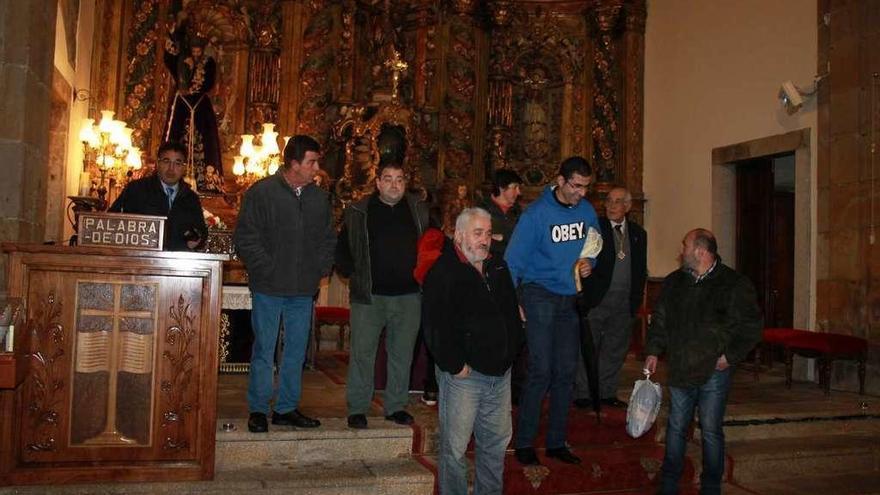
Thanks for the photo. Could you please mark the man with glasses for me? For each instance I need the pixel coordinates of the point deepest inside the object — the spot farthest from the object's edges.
(285, 237)
(165, 194)
(377, 249)
(613, 293)
(555, 242)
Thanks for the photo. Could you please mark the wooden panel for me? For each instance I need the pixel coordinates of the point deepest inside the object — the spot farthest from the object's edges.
(7, 371)
(120, 382)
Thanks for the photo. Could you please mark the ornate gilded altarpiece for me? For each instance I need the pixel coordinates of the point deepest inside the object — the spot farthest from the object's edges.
(487, 83)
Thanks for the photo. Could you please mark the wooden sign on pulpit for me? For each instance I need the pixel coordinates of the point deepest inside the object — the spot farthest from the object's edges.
(117, 363)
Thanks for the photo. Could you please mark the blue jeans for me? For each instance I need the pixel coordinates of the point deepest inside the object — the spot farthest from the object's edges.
(478, 404)
(711, 399)
(553, 337)
(267, 312)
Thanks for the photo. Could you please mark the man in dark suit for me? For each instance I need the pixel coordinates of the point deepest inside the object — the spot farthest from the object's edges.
(613, 293)
(164, 193)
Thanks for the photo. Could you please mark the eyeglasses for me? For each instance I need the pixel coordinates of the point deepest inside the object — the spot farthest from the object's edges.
(578, 187)
(168, 161)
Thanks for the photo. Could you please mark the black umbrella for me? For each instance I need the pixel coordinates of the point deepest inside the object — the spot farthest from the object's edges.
(591, 360)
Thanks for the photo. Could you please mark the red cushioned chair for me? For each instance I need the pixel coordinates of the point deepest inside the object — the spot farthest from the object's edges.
(771, 337)
(824, 347)
(328, 315)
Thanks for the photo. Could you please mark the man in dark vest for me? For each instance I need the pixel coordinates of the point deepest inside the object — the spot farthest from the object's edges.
(613, 292)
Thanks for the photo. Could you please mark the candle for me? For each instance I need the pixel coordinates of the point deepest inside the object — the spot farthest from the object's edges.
(85, 184)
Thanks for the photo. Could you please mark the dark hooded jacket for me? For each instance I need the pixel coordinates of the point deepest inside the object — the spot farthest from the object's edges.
(694, 323)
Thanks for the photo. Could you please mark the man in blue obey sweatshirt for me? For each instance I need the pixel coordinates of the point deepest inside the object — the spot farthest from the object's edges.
(557, 236)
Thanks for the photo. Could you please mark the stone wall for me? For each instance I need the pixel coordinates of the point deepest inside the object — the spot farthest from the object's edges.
(848, 250)
(27, 39)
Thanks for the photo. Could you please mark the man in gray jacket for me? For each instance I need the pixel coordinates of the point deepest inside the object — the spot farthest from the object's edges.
(377, 249)
(285, 238)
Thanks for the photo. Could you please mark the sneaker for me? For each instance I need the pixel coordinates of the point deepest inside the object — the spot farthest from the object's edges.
(400, 417)
(429, 398)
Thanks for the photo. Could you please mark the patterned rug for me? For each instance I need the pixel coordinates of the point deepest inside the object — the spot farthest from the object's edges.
(612, 461)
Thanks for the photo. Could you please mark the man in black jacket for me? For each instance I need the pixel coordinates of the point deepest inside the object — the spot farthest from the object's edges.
(285, 237)
(377, 249)
(473, 329)
(706, 321)
(165, 194)
(613, 293)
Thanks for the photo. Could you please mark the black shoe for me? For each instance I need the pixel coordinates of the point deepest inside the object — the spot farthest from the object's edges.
(294, 418)
(257, 423)
(563, 454)
(583, 403)
(614, 402)
(400, 417)
(357, 421)
(526, 456)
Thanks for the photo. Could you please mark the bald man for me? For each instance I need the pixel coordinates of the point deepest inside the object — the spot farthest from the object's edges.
(706, 321)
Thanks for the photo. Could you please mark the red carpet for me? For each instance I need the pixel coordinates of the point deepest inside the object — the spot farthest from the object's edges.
(612, 461)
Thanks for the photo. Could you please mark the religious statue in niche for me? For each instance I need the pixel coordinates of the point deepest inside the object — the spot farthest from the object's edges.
(191, 117)
(534, 136)
(536, 129)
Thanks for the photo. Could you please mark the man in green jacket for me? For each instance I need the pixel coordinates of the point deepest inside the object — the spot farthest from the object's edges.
(706, 321)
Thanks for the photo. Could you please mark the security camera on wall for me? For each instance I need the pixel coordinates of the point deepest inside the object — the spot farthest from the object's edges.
(791, 97)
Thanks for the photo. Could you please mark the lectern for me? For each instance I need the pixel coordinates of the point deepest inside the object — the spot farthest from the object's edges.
(115, 365)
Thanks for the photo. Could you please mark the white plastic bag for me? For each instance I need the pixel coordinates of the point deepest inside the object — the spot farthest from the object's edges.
(644, 404)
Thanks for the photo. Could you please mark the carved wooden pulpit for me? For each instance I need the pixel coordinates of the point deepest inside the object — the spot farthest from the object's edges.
(117, 364)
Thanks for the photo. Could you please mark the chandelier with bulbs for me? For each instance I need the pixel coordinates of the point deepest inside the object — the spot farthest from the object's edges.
(108, 146)
(257, 160)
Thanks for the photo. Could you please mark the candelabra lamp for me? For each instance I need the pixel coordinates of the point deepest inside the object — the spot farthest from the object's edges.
(257, 160)
(108, 147)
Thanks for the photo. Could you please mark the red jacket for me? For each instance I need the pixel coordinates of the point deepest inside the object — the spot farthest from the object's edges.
(429, 248)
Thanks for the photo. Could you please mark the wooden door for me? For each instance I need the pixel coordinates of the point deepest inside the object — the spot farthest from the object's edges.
(765, 239)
